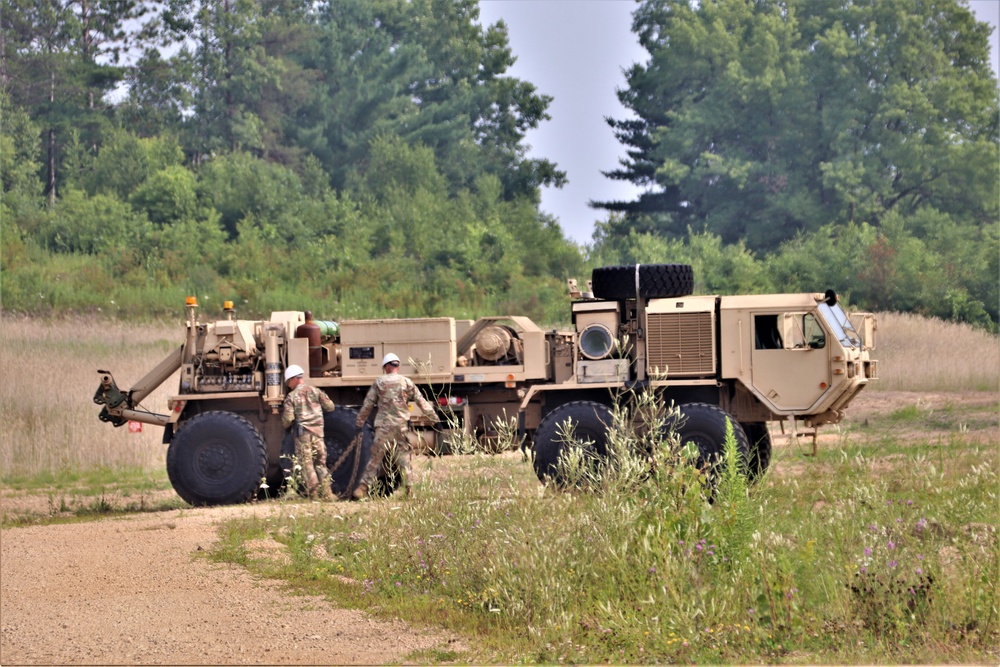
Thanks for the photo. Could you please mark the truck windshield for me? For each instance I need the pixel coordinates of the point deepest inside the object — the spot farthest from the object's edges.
(840, 324)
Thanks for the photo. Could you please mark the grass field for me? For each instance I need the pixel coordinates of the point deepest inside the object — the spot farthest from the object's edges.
(882, 549)
(49, 431)
(920, 354)
(879, 550)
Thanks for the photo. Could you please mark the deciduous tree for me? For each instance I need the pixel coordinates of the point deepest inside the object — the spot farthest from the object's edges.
(761, 120)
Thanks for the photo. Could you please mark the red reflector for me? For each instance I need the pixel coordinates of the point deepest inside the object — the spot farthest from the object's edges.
(134, 427)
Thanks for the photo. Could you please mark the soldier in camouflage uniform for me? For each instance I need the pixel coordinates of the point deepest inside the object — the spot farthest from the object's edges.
(391, 394)
(304, 406)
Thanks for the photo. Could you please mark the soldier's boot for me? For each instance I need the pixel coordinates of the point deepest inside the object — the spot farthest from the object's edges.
(325, 492)
(312, 483)
(361, 492)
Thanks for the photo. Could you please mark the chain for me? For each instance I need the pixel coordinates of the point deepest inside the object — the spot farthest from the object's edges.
(354, 446)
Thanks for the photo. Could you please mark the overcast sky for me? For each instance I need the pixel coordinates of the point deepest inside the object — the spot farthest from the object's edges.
(576, 51)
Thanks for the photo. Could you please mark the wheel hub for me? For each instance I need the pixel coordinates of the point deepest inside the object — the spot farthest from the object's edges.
(215, 460)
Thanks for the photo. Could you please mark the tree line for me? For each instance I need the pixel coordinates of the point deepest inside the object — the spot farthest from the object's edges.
(366, 157)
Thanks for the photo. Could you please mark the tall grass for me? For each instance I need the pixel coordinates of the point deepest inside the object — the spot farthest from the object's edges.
(926, 354)
(874, 559)
(48, 421)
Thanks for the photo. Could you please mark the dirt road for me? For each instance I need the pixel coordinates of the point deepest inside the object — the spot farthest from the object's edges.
(129, 591)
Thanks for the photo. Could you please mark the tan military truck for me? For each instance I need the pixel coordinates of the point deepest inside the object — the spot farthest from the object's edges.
(753, 359)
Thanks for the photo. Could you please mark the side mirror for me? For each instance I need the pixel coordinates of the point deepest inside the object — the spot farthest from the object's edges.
(866, 324)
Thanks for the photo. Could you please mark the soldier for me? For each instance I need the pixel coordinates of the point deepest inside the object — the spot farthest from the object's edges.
(390, 393)
(304, 406)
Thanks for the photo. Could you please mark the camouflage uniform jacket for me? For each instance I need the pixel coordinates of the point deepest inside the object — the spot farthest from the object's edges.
(391, 393)
(306, 404)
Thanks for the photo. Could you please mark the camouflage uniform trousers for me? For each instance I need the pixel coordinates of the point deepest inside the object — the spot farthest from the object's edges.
(390, 442)
(310, 450)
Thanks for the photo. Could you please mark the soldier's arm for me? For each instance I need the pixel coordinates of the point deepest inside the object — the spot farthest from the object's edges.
(325, 402)
(366, 408)
(287, 413)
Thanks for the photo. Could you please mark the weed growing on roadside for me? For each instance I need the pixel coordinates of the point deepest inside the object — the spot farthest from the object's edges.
(893, 584)
(633, 564)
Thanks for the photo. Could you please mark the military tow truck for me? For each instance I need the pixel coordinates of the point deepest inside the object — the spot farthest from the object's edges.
(752, 359)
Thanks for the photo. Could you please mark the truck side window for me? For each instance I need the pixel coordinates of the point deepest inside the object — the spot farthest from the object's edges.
(801, 331)
(767, 336)
(794, 331)
(814, 332)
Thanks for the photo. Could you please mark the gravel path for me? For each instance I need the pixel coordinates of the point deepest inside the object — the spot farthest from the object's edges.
(127, 591)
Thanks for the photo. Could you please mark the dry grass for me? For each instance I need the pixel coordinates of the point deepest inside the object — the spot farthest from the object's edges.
(48, 421)
(920, 354)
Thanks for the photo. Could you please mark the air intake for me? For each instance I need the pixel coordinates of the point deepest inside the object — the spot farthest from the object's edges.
(683, 344)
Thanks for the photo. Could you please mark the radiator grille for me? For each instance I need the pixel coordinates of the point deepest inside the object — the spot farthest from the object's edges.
(683, 343)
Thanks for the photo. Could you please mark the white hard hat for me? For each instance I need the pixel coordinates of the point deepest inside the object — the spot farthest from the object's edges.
(389, 357)
(293, 371)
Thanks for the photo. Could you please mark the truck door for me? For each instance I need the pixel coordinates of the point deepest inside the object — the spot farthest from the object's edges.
(789, 362)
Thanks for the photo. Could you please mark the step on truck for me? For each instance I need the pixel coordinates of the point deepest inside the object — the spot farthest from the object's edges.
(749, 359)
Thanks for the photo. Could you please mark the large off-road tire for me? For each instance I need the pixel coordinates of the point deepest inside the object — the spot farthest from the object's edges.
(591, 421)
(704, 425)
(760, 449)
(340, 432)
(216, 458)
(656, 281)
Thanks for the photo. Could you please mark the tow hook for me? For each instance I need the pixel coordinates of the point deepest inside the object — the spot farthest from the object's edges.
(110, 396)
